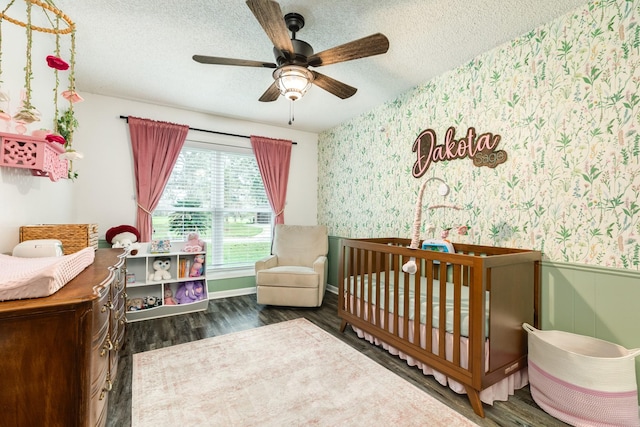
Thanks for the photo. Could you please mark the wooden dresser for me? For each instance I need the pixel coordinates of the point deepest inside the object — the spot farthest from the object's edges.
(59, 354)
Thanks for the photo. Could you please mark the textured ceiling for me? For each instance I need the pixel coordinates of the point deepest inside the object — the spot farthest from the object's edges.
(142, 49)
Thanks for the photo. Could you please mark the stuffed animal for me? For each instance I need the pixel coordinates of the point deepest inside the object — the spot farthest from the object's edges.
(168, 296)
(198, 291)
(152, 301)
(161, 268)
(197, 267)
(185, 293)
(124, 236)
(194, 243)
(135, 304)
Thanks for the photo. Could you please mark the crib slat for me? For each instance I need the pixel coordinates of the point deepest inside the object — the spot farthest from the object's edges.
(363, 284)
(442, 315)
(429, 304)
(359, 284)
(396, 300)
(476, 324)
(350, 287)
(466, 275)
(457, 309)
(405, 323)
(387, 258)
(377, 266)
(369, 295)
(416, 305)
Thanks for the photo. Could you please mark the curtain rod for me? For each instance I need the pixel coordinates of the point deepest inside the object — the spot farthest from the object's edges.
(212, 131)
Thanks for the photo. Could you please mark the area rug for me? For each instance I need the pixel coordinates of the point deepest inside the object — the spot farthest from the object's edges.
(286, 374)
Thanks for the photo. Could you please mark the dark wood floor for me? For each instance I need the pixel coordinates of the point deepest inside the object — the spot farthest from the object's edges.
(240, 313)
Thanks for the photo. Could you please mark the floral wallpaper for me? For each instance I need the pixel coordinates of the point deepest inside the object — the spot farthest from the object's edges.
(565, 99)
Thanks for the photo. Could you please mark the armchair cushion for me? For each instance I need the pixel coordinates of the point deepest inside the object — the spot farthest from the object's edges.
(289, 276)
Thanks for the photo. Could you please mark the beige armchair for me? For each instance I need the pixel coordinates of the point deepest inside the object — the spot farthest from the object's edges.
(296, 273)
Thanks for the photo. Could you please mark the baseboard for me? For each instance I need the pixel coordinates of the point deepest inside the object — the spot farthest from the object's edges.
(249, 291)
(232, 293)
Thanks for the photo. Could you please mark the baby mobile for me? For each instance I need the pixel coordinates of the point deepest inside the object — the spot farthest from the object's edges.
(64, 123)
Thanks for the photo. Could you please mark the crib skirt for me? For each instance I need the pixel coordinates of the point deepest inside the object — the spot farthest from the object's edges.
(499, 391)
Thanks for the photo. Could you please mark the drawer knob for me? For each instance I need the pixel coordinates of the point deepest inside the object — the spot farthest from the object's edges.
(107, 346)
(107, 388)
(107, 306)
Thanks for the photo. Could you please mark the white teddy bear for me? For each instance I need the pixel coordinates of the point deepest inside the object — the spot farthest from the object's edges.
(161, 268)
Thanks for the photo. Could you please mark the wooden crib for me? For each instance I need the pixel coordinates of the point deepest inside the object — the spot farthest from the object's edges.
(488, 293)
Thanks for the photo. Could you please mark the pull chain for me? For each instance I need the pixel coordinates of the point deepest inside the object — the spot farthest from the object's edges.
(291, 118)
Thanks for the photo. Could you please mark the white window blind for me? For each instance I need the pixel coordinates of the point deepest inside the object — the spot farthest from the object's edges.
(218, 192)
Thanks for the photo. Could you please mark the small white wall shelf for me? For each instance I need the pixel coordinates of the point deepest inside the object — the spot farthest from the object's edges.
(29, 152)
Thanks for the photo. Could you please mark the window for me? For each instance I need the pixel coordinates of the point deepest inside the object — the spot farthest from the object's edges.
(217, 191)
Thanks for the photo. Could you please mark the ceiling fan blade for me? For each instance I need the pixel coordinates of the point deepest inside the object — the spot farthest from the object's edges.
(271, 94)
(374, 44)
(269, 15)
(230, 61)
(333, 86)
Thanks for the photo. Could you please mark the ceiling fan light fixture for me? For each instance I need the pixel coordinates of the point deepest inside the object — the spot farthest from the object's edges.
(293, 81)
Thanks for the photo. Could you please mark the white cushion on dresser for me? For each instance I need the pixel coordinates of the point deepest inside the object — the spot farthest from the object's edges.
(40, 277)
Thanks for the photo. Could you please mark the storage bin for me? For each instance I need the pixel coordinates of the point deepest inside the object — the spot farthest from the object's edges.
(74, 237)
(581, 380)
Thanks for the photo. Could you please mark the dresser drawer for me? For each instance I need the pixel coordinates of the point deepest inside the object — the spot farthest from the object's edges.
(102, 308)
(100, 384)
(119, 279)
(118, 304)
(100, 342)
(99, 400)
(100, 362)
(118, 321)
(101, 347)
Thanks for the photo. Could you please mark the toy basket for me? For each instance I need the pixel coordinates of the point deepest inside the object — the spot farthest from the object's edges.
(581, 380)
(74, 237)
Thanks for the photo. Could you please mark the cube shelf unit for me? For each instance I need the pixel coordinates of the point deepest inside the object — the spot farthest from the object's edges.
(140, 285)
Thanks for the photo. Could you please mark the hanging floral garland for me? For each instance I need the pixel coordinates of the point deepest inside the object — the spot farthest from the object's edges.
(57, 78)
(57, 64)
(28, 113)
(64, 123)
(4, 96)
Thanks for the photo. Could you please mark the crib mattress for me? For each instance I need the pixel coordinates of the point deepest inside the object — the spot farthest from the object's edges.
(40, 277)
(381, 282)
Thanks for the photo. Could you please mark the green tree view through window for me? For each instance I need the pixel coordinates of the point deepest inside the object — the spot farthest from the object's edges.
(219, 194)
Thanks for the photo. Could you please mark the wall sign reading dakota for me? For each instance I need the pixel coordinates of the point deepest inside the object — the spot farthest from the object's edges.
(482, 150)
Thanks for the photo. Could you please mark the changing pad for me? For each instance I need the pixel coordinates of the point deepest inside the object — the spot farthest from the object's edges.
(40, 277)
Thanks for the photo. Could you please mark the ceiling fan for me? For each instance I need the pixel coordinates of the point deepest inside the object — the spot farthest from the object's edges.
(292, 76)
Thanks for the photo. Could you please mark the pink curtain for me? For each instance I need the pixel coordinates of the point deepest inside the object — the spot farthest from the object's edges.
(156, 146)
(273, 157)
